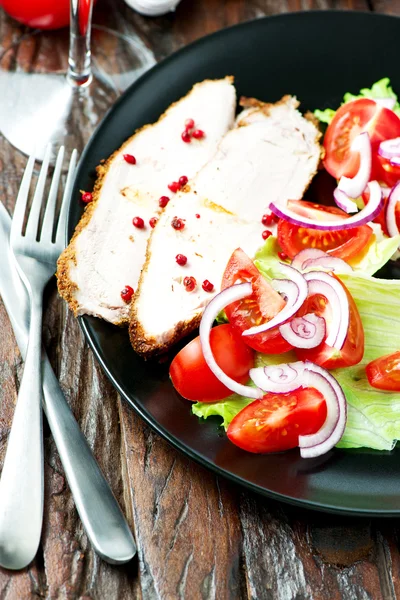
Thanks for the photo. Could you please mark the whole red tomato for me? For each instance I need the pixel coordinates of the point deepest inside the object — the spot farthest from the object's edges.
(41, 14)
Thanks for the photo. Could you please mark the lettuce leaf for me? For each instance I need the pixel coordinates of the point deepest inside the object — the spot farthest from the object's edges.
(381, 249)
(227, 409)
(379, 252)
(380, 89)
(373, 415)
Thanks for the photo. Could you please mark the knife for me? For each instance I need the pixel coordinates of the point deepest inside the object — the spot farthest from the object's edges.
(101, 516)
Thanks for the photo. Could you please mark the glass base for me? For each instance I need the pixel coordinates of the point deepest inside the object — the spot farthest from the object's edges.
(40, 105)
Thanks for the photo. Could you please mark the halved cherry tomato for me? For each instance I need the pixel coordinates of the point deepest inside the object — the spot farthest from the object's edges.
(258, 308)
(351, 119)
(381, 218)
(193, 379)
(389, 174)
(274, 423)
(384, 373)
(324, 355)
(344, 243)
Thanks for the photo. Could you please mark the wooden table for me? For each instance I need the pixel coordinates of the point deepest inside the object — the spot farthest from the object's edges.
(198, 536)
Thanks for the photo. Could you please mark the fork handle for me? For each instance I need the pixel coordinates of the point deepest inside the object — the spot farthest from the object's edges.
(21, 483)
(99, 511)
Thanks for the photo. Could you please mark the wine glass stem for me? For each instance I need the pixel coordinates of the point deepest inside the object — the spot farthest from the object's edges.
(79, 59)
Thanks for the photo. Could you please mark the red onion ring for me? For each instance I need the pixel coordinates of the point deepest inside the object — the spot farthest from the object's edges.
(305, 255)
(304, 332)
(355, 186)
(288, 289)
(332, 430)
(218, 303)
(332, 263)
(389, 148)
(394, 198)
(326, 285)
(290, 377)
(279, 379)
(395, 161)
(293, 304)
(365, 215)
(386, 102)
(344, 202)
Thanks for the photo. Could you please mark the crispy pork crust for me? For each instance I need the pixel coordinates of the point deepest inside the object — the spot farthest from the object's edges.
(142, 343)
(66, 286)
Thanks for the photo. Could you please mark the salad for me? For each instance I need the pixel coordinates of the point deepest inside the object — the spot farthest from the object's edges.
(306, 350)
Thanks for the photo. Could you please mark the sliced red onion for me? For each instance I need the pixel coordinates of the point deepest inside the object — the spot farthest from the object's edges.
(326, 285)
(306, 254)
(218, 303)
(304, 332)
(344, 202)
(389, 148)
(279, 379)
(332, 263)
(332, 430)
(293, 376)
(293, 304)
(288, 289)
(355, 186)
(395, 161)
(386, 102)
(365, 215)
(394, 198)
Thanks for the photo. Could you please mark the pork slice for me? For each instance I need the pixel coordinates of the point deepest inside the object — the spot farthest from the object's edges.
(271, 155)
(107, 252)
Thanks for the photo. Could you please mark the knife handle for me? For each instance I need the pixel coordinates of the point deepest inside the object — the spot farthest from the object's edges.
(99, 511)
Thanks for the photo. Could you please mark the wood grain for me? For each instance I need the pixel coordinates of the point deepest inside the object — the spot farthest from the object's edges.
(198, 536)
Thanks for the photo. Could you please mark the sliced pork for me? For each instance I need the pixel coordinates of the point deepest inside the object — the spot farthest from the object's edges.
(107, 251)
(271, 155)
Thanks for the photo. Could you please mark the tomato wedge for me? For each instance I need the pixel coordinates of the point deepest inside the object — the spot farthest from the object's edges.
(351, 119)
(260, 307)
(345, 243)
(274, 423)
(193, 379)
(384, 373)
(324, 355)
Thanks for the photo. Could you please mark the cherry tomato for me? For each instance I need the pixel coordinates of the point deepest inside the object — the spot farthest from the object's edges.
(324, 355)
(260, 307)
(344, 243)
(41, 14)
(388, 174)
(193, 379)
(274, 423)
(381, 218)
(351, 119)
(384, 372)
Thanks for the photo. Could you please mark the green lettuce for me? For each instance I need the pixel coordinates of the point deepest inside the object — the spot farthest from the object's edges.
(380, 89)
(373, 416)
(379, 252)
(227, 409)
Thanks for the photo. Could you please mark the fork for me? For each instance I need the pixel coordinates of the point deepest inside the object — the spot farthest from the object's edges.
(101, 516)
(22, 482)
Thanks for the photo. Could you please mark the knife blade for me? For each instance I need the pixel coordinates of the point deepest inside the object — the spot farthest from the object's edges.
(99, 511)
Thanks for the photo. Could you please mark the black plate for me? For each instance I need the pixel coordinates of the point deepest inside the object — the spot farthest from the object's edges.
(317, 56)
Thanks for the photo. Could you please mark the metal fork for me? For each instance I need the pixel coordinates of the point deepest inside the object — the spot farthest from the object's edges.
(101, 516)
(21, 484)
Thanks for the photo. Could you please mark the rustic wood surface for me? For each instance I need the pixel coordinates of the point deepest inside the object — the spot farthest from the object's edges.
(197, 536)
